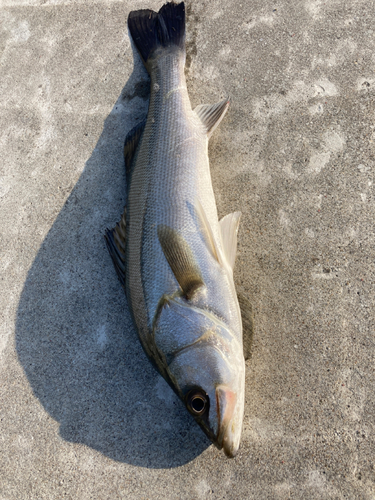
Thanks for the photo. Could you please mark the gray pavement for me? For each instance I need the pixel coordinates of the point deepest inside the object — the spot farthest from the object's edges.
(83, 414)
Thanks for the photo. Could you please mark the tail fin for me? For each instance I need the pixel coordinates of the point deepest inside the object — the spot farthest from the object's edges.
(150, 30)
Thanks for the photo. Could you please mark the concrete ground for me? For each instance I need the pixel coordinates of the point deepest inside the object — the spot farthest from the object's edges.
(83, 414)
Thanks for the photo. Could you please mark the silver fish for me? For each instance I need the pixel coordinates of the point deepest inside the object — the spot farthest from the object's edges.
(173, 257)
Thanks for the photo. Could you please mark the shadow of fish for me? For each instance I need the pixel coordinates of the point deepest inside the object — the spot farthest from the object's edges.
(173, 257)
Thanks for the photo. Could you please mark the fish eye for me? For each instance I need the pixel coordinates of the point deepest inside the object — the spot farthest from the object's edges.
(197, 402)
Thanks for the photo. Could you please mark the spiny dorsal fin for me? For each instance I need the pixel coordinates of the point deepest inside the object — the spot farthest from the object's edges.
(130, 147)
(116, 242)
(229, 229)
(212, 114)
(247, 324)
(181, 260)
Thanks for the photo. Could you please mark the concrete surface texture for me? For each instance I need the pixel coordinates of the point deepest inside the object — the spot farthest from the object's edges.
(83, 414)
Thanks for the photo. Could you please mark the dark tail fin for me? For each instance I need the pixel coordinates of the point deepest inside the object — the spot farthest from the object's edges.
(150, 30)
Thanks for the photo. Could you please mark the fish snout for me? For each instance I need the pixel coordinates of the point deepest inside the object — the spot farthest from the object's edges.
(228, 436)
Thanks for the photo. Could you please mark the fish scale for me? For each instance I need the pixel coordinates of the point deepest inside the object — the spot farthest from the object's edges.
(178, 258)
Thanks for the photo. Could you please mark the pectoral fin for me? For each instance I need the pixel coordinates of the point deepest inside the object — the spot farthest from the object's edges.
(212, 114)
(247, 324)
(181, 260)
(229, 229)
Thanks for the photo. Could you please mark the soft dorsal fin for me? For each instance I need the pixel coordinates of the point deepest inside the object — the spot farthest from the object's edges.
(212, 114)
(116, 242)
(229, 229)
(247, 324)
(130, 148)
(181, 260)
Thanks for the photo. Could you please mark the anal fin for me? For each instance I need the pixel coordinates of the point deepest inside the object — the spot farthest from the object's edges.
(116, 243)
(212, 114)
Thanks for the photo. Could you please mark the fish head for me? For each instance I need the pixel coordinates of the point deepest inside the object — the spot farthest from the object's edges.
(204, 361)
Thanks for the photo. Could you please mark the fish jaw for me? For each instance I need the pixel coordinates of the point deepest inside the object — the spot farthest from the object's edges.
(229, 429)
(223, 422)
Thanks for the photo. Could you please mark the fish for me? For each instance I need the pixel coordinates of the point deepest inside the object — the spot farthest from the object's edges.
(172, 255)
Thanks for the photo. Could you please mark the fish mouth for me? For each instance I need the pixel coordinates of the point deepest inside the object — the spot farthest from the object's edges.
(227, 437)
(225, 433)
